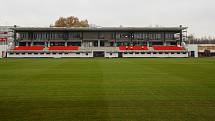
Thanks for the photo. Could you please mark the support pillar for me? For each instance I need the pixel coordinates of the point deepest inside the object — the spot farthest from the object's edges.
(82, 43)
(181, 37)
(99, 43)
(48, 43)
(164, 38)
(148, 44)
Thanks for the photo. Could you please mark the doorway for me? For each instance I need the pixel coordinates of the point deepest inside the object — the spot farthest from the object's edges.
(120, 55)
(192, 53)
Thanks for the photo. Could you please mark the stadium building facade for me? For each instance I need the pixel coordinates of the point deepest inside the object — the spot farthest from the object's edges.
(6, 37)
(99, 42)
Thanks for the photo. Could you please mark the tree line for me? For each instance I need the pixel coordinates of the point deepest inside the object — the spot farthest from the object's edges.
(71, 21)
(191, 39)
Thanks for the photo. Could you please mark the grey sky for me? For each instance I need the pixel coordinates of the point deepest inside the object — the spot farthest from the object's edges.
(198, 15)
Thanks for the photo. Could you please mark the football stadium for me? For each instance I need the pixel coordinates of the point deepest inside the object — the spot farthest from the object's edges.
(104, 74)
(109, 42)
(107, 60)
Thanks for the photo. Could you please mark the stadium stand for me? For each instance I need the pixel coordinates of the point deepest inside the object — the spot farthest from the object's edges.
(29, 48)
(133, 48)
(167, 48)
(109, 42)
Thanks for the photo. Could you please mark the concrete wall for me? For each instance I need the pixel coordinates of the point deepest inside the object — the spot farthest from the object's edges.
(3, 49)
(193, 47)
(90, 54)
(49, 55)
(111, 54)
(163, 55)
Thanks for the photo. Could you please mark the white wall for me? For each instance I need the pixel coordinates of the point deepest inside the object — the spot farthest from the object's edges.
(163, 55)
(111, 54)
(193, 47)
(3, 49)
(50, 55)
(90, 55)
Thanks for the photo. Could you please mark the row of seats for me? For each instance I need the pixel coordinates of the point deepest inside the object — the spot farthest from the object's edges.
(133, 48)
(154, 47)
(167, 48)
(29, 48)
(77, 48)
(50, 48)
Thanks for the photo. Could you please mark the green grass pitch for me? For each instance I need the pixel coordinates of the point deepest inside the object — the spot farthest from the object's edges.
(100, 89)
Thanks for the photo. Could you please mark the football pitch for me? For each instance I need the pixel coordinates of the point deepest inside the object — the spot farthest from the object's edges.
(152, 89)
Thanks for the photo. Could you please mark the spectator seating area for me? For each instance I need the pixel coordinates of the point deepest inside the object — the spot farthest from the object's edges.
(37, 48)
(77, 48)
(168, 48)
(133, 48)
(109, 52)
(29, 48)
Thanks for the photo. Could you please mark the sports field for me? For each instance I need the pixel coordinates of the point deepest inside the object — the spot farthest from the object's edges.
(107, 89)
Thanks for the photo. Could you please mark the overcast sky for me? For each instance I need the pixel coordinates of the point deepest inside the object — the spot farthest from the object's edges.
(198, 15)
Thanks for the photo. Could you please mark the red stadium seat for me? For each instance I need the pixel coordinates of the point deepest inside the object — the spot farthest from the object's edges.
(29, 48)
(167, 48)
(133, 48)
(140, 48)
(64, 48)
(122, 47)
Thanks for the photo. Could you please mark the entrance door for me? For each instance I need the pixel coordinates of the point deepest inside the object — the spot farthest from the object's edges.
(120, 54)
(98, 54)
(192, 53)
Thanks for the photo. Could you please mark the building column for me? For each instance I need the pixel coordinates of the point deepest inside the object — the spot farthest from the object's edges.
(99, 42)
(48, 43)
(164, 38)
(82, 43)
(14, 36)
(148, 44)
(181, 37)
(32, 43)
(66, 43)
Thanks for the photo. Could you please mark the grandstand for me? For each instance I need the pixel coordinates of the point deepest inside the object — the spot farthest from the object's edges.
(99, 42)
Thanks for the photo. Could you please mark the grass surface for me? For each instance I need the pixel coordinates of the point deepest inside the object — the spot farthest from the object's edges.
(107, 89)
